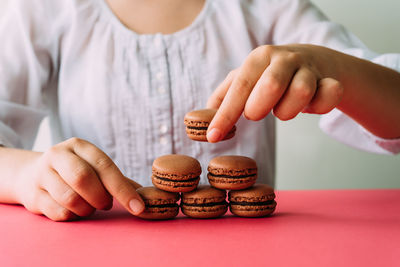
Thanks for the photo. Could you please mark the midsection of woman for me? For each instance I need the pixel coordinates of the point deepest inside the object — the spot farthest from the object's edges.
(126, 88)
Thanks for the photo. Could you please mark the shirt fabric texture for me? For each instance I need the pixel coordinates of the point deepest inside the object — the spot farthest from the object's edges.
(127, 93)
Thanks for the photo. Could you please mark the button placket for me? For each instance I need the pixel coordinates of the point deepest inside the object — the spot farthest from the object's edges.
(161, 98)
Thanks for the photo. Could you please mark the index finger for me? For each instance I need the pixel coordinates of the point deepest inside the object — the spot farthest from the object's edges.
(111, 177)
(233, 104)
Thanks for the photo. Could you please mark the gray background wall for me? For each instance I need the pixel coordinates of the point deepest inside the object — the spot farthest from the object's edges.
(306, 158)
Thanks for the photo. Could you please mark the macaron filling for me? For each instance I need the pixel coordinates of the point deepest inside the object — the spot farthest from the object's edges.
(233, 176)
(211, 204)
(169, 205)
(187, 183)
(263, 203)
(174, 180)
(197, 128)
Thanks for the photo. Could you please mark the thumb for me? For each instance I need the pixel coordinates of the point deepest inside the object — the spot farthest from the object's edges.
(128, 197)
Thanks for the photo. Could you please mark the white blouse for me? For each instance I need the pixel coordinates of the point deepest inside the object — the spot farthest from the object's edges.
(127, 93)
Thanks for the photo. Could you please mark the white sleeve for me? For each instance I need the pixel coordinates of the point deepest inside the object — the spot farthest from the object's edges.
(339, 126)
(302, 22)
(27, 67)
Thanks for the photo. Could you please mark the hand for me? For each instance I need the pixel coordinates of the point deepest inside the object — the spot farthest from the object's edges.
(73, 179)
(285, 79)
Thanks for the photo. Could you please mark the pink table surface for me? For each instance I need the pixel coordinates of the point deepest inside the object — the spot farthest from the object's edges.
(309, 228)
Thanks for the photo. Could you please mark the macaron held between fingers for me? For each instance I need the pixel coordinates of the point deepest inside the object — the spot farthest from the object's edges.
(232, 172)
(204, 202)
(160, 205)
(176, 173)
(197, 123)
(256, 201)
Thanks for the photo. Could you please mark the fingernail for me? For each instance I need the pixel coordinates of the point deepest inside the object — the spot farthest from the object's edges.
(214, 135)
(136, 206)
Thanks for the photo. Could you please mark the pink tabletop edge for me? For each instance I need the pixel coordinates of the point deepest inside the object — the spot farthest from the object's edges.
(309, 228)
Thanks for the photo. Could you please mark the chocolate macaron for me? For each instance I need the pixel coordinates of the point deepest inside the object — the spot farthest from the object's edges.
(204, 202)
(197, 122)
(232, 172)
(159, 204)
(176, 173)
(256, 201)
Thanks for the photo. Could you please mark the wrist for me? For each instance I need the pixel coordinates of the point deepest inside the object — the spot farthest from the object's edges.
(330, 63)
(16, 172)
(25, 175)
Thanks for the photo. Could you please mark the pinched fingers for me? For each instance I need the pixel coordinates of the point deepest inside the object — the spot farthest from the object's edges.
(79, 176)
(82, 178)
(110, 176)
(269, 88)
(286, 79)
(64, 195)
(237, 93)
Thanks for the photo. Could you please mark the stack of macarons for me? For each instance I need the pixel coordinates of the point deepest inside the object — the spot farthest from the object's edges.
(171, 175)
(174, 174)
(238, 174)
(176, 177)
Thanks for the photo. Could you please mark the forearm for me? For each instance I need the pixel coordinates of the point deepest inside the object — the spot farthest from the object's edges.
(371, 95)
(13, 163)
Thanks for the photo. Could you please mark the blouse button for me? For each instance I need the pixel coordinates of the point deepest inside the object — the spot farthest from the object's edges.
(163, 129)
(163, 140)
